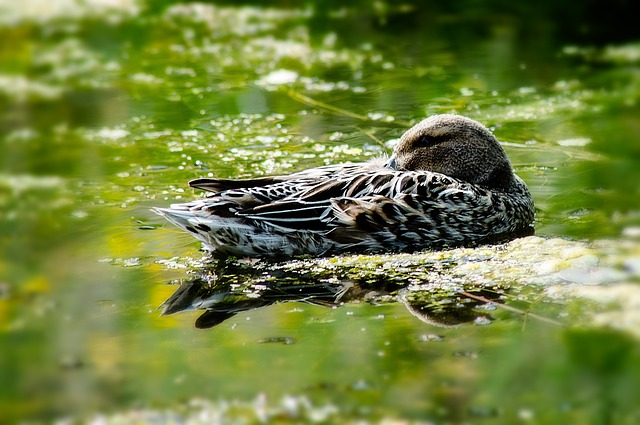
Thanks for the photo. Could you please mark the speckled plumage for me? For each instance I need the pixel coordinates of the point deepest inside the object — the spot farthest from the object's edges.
(449, 183)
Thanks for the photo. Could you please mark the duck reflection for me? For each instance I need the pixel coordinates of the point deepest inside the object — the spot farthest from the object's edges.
(224, 290)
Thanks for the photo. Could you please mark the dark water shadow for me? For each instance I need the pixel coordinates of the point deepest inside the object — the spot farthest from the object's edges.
(225, 289)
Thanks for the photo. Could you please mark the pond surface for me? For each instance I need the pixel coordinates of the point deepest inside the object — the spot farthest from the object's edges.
(109, 108)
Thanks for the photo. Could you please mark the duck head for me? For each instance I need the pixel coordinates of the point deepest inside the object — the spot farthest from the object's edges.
(455, 146)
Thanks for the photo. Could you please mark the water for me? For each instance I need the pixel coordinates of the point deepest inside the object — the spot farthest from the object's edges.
(111, 109)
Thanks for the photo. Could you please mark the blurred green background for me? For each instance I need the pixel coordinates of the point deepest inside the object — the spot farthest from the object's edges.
(108, 108)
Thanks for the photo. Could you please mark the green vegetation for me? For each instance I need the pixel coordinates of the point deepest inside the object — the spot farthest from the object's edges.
(110, 107)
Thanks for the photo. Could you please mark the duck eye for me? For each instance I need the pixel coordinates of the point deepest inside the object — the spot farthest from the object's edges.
(426, 140)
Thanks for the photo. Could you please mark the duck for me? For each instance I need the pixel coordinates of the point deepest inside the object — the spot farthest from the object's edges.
(448, 183)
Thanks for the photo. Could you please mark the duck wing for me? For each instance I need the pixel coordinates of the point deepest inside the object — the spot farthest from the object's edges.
(386, 209)
(229, 196)
(384, 197)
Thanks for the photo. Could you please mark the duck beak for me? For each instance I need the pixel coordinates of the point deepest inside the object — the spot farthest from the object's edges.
(391, 163)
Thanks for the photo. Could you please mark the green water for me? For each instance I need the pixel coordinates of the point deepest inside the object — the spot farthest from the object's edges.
(109, 108)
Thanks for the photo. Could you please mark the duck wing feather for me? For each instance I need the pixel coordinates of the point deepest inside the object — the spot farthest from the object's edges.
(362, 203)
